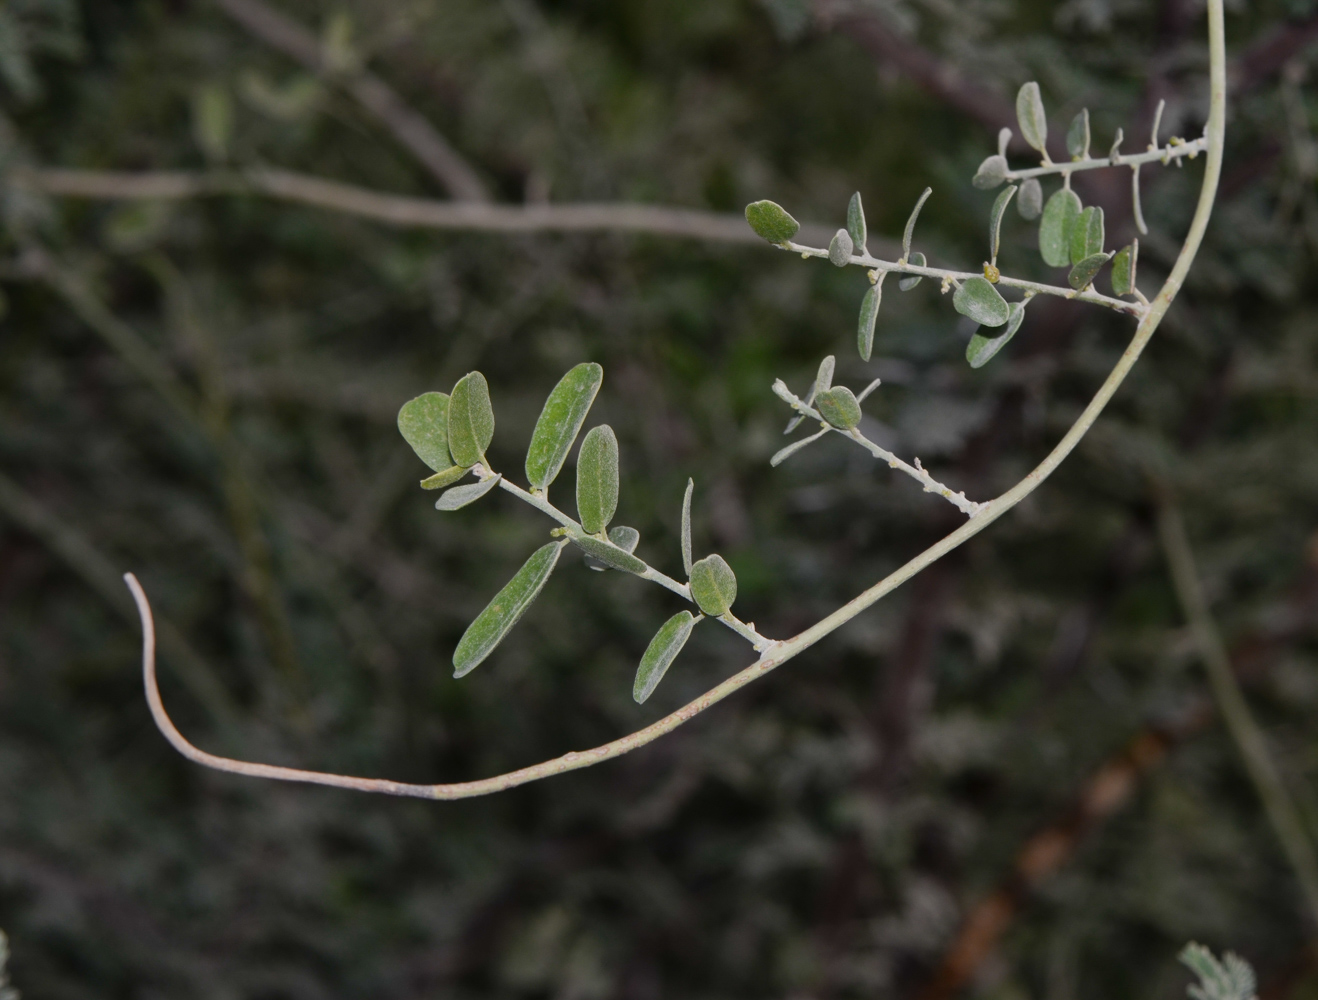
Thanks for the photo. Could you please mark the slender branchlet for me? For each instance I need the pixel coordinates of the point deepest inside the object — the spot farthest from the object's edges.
(451, 432)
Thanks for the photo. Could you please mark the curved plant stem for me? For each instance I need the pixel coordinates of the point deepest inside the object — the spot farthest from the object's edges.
(778, 653)
(1244, 729)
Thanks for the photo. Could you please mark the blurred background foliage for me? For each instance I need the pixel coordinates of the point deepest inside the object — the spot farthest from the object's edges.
(1005, 779)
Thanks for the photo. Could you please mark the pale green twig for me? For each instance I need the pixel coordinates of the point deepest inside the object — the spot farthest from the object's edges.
(1240, 722)
(1174, 150)
(779, 653)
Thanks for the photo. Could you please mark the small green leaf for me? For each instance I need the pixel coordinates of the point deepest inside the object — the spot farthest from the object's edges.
(1031, 118)
(470, 420)
(1030, 203)
(995, 221)
(1087, 234)
(869, 314)
(909, 231)
(856, 223)
(982, 302)
(1077, 136)
(1055, 227)
(624, 537)
(770, 222)
(460, 496)
(1083, 274)
(661, 652)
(560, 422)
(686, 525)
(597, 479)
(713, 585)
(991, 173)
(502, 613)
(839, 407)
(981, 349)
(444, 478)
(839, 250)
(824, 377)
(911, 280)
(423, 422)
(1123, 269)
(783, 454)
(610, 555)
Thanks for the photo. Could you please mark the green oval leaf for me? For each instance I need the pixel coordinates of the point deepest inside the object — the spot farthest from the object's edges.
(423, 422)
(1123, 269)
(1077, 136)
(991, 173)
(460, 496)
(824, 377)
(1055, 227)
(661, 652)
(771, 222)
(910, 281)
(1083, 274)
(502, 613)
(869, 314)
(1030, 202)
(995, 221)
(839, 249)
(1031, 118)
(981, 349)
(470, 420)
(1087, 234)
(686, 525)
(597, 479)
(856, 228)
(443, 478)
(713, 585)
(560, 422)
(609, 554)
(909, 231)
(980, 301)
(839, 407)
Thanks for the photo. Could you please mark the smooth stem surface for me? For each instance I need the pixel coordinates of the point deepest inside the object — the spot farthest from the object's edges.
(1244, 729)
(779, 652)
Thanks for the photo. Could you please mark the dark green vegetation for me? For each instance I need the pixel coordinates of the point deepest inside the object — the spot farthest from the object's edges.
(205, 391)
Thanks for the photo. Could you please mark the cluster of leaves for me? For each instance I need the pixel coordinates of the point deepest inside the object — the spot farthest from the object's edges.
(451, 434)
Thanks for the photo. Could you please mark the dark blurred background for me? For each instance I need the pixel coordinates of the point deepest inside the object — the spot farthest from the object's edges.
(1006, 779)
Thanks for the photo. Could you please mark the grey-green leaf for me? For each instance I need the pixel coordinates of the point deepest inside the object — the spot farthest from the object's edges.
(839, 249)
(1030, 202)
(610, 555)
(783, 454)
(824, 377)
(1055, 227)
(909, 231)
(869, 314)
(1123, 269)
(460, 496)
(981, 349)
(661, 652)
(597, 479)
(624, 537)
(995, 220)
(1084, 273)
(560, 422)
(911, 280)
(839, 407)
(423, 422)
(686, 525)
(1077, 136)
(991, 173)
(502, 613)
(1031, 118)
(470, 420)
(856, 228)
(1087, 234)
(444, 477)
(713, 585)
(982, 302)
(771, 222)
